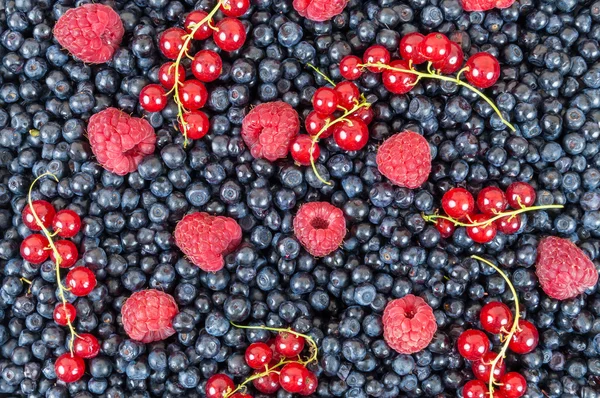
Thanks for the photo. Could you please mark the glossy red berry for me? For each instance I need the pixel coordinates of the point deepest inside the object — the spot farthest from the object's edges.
(513, 385)
(230, 34)
(491, 201)
(171, 42)
(520, 194)
(35, 249)
(453, 62)
(398, 82)
(153, 98)
(325, 101)
(445, 227)
(472, 344)
(475, 389)
(241, 395)
(288, 344)
(495, 317)
(310, 384)
(86, 346)
(66, 223)
(197, 124)
(483, 70)
(509, 224)
(314, 123)
(458, 202)
(525, 339)
(64, 313)
(235, 8)
(45, 212)
(68, 253)
(482, 368)
(166, 74)
(409, 48)
(351, 134)
(349, 68)
(376, 54)
(200, 32)
(258, 355)
(218, 385)
(365, 114)
(482, 233)
(193, 94)
(268, 384)
(69, 368)
(348, 94)
(435, 47)
(207, 65)
(81, 281)
(303, 150)
(292, 377)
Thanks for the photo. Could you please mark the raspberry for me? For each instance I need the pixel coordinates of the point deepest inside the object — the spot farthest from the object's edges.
(485, 5)
(408, 324)
(319, 10)
(120, 141)
(563, 269)
(269, 128)
(205, 239)
(91, 32)
(320, 227)
(147, 315)
(405, 159)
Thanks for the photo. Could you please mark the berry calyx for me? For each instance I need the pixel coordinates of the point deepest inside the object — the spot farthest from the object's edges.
(34, 249)
(66, 223)
(525, 339)
(473, 344)
(495, 317)
(68, 253)
(292, 377)
(153, 98)
(64, 313)
(81, 281)
(520, 194)
(235, 8)
(230, 34)
(349, 67)
(69, 368)
(483, 70)
(409, 48)
(513, 385)
(482, 368)
(491, 201)
(483, 233)
(288, 344)
(86, 346)
(458, 202)
(218, 385)
(196, 124)
(191, 25)
(45, 212)
(193, 94)
(435, 47)
(303, 149)
(171, 42)
(351, 134)
(207, 66)
(376, 54)
(258, 355)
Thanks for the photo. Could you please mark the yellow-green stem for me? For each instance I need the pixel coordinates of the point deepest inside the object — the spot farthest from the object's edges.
(323, 75)
(512, 213)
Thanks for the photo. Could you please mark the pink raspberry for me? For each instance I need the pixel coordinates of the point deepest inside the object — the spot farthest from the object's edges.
(408, 324)
(320, 227)
(269, 128)
(563, 269)
(120, 141)
(91, 32)
(148, 314)
(319, 10)
(485, 5)
(205, 239)
(405, 159)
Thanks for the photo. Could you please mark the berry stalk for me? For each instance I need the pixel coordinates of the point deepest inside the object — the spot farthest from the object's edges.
(512, 213)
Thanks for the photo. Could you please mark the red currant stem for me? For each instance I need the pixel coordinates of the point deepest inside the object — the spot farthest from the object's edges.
(455, 80)
(513, 329)
(512, 213)
(323, 75)
(57, 257)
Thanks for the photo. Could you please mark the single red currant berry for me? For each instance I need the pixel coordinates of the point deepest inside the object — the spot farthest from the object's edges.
(475, 389)
(525, 339)
(303, 150)
(230, 34)
(315, 123)
(86, 346)
(495, 317)
(288, 344)
(458, 202)
(193, 95)
(482, 233)
(64, 313)
(66, 223)
(272, 343)
(513, 385)
(365, 114)
(153, 98)
(310, 384)
(191, 25)
(81, 281)
(207, 65)
(509, 224)
(235, 8)
(452, 62)
(376, 54)
(268, 384)
(483, 70)
(483, 367)
(473, 344)
(491, 201)
(69, 368)
(292, 377)
(348, 94)
(166, 74)
(34, 249)
(171, 42)
(349, 68)
(241, 395)
(409, 48)
(258, 355)
(218, 385)
(435, 47)
(351, 134)
(68, 253)
(196, 124)
(445, 227)
(520, 194)
(398, 82)
(325, 101)
(45, 212)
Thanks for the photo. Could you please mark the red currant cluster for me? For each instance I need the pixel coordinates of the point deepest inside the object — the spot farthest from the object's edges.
(277, 364)
(190, 95)
(40, 215)
(459, 206)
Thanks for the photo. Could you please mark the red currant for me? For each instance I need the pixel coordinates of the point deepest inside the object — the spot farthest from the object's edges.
(267, 384)
(495, 317)
(207, 65)
(288, 344)
(69, 368)
(195, 17)
(452, 62)
(66, 223)
(473, 344)
(45, 212)
(193, 95)
(365, 114)
(34, 249)
(241, 395)
(81, 281)
(520, 194)
(235, 8)
(409, 48)
(513, 385)
(349, 68)
(435, 47)
(310, 384)
(303, 150)
(525, 339)
(491, 201)
(68, 253)
(86, 345)
(171, 42)
(482, 233)
(314, 123)
(351, 134)
(272, 343)
(258, 355)
(166, 74)
(153, 98)
(218, 385)
(398, 82)
(483, 70)
(348, 94)
(475, 389)
(292, 376)
(325, 101)
(230, 34)
(483, 367)
(376, 54)
(445, 227)
(197, 124)
(509, 224)
(458, 202)
(64, 313)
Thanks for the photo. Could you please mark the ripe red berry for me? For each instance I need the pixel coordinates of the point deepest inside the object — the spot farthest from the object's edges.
(171, 42)
(292, 377)
(520, 194)
(45, 212)
(303, 150)
(475, 389)
(68, 253)
(482, 368)
(452, 62)
(435, 47)
(268, 384)
(153, 98)
(81, 281)
(398, 82)
(230, 34)
(207, 65)
(351, 134)
(86, 346)
(218, 385)
(69, 368)
(325, 101)
(473, 344)
(491, 201)
(409, 48)
(258, 355)
(483, 70)
(166, 74)
(193, 95)
(525, 339)
(241, 395)
(509, 224)
(348, 94)
(482, 233)
(235, 8)
(310, 384)
(314, 123)
(66, 223)
(458, 202)
(376, 54)
(349, 68)
(200, 32)
(64, 313)
(513, 385)
(445, 227)
(34, 249)
(495, 317)
(365, 114)
(196, 124)
(288, 344)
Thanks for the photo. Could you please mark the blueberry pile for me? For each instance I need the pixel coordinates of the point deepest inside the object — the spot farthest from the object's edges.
(549, 88)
